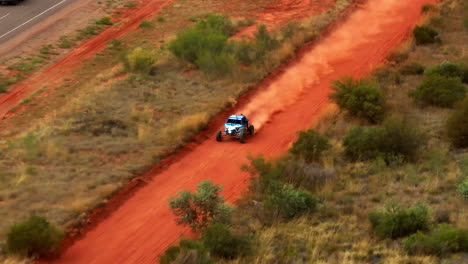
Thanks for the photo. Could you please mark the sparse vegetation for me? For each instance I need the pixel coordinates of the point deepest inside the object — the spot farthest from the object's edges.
(104, 21)
(439, 90)
(146, 24)
(361, 98)
(457, 125)
(462, 188)
(221, 242)
(412, 68)
(393, 221)
(141, 59)
(425, 35)
(33, 237)
(310, 145)
(396, 139)
(441, 241)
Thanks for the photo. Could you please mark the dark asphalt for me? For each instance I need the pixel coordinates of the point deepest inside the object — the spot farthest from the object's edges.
(15, 19)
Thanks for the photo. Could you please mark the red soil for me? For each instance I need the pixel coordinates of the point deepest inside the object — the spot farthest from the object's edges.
(52, 76)
(142, 227)
(277, 12)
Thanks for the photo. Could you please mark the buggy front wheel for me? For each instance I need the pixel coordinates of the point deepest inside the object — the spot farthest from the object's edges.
(218, 136)
(242, 138)
(251, 130)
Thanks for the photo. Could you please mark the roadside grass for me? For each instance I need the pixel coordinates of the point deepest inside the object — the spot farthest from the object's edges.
(106, 125)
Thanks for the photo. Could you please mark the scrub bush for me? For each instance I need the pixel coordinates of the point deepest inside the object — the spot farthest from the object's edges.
(393, 221)
(141, 59)
(450, 69)
(439, 90)
(288, 202)
(310, 145)
(33, 237)
(360, 98)
(441, 241)
(457, 125)
(396, 138)
(425, 35)
(221, 242)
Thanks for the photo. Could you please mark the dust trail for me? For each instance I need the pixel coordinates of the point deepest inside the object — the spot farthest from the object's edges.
(336, 48)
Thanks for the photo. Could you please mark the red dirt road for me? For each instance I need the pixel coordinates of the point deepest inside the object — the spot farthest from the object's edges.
(143, 226)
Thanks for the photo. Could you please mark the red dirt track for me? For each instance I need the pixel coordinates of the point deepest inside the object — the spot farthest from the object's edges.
(143, 226)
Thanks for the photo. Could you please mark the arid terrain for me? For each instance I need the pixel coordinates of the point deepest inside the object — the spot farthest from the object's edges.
(102, 126)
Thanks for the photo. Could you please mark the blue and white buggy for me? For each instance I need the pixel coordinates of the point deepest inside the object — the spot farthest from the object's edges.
(236, 126)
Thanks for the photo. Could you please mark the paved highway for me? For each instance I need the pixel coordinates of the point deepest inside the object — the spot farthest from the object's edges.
(15, 19)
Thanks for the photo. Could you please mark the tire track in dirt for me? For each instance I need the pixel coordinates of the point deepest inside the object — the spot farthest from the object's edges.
(53, 75)
(141, 228)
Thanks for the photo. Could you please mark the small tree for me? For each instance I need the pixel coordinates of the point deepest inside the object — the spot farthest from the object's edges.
(310, 145)
(199, 209)
(360, 98)
(439, 90)
(33, 237)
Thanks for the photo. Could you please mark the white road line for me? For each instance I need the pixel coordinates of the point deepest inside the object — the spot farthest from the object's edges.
(45, 11)
(4, 16)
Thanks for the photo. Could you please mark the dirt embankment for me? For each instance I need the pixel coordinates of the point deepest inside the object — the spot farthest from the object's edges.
(143, 226)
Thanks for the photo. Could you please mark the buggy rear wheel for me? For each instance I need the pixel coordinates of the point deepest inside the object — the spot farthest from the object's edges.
(218, 136)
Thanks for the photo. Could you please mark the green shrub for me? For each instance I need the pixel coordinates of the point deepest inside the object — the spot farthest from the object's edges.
(64, 43)
(264, 41)
(450, 69)
(216, 24)
(394, 221)
(217, 65)
(396, 138)
(33, 237)
(192, 43)
(310, 145)
(441, 241)
(360, 98)
(221, 242)
(246, 52)
(169, 255)
(141, 59)
(188, 251)
(199, 209)
(462, 188)
(439, 90)
(425, 35)
(146, 24)
(457, 125)
(412, 68)
(288, 202)
(104, 21)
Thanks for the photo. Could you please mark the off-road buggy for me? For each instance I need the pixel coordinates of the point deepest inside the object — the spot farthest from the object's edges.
(236, 126)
